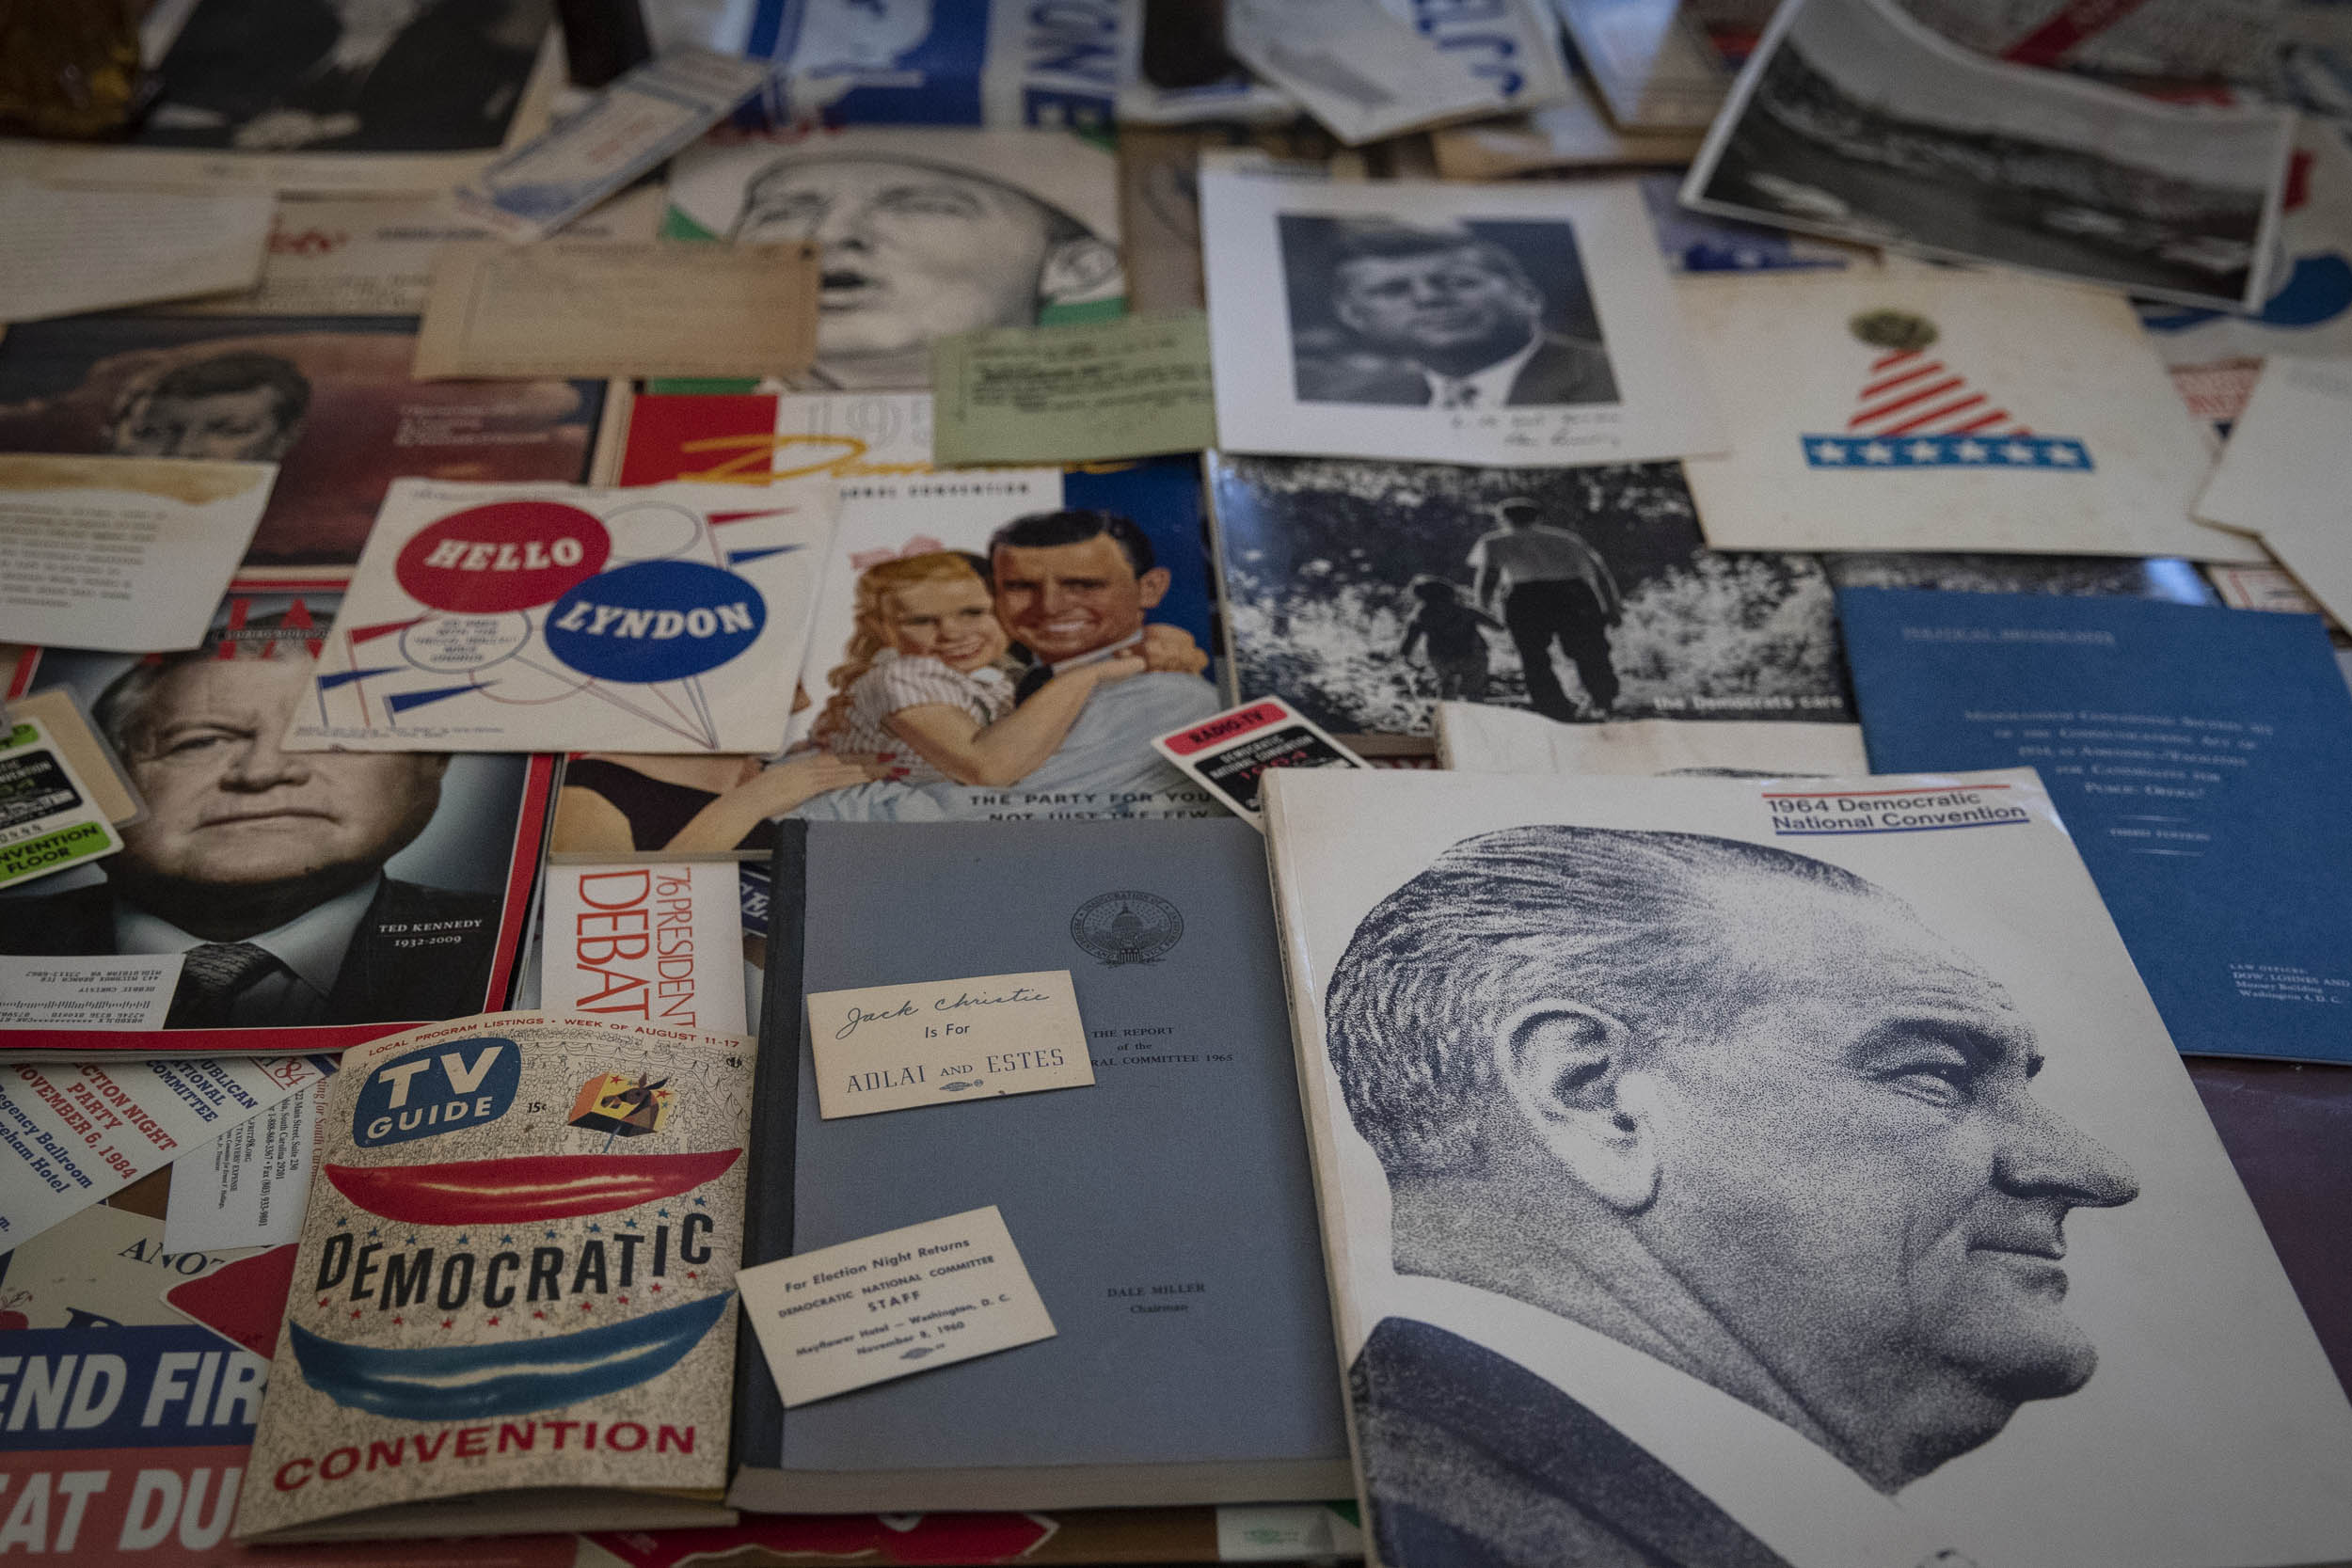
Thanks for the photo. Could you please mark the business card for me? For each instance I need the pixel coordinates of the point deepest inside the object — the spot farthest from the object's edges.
(906, 1301)
(1230, 753)
(931, 1042)
(48, 819)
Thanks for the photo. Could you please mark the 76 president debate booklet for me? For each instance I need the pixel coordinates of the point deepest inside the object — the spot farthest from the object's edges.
(1743, 1172)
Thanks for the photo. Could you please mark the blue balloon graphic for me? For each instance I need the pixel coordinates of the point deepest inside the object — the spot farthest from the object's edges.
(655, 621)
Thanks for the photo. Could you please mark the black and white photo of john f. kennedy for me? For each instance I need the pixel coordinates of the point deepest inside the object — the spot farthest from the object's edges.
(1674, 1122)
(1477, 315)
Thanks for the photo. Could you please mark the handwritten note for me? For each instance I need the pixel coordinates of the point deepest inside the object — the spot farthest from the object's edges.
(1127, 388)
(868, 1311)
(887, 1048)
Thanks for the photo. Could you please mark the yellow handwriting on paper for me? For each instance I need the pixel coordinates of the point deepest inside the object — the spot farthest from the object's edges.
(841, 454)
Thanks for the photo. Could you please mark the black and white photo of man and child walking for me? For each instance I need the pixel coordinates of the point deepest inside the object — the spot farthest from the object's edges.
(1548, 587)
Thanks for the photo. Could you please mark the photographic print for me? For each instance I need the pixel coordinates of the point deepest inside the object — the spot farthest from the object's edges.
(1854, 121)
(347, 76)
(312, 900)
(1529, 325)
(922, 233)
(1489, 315)
(1365, 593)
(328, 400)
(1719, 1172)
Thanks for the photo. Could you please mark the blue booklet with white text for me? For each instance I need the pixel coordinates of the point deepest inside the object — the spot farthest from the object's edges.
(2201, 758)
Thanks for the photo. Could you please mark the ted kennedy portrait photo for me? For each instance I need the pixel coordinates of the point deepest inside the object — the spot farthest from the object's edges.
(921, 233)
(301, 889)
(1522, 325)
(1709, 1184)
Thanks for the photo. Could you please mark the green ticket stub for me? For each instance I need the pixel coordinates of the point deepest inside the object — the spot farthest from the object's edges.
(1133, 386)
(47, 819)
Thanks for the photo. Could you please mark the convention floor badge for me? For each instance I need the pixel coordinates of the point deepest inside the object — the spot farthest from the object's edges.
(94, 761)
(1231, 752)
(48, 817)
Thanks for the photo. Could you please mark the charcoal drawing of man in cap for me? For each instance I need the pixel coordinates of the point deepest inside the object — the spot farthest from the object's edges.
(912, 251)
(1723, 1202)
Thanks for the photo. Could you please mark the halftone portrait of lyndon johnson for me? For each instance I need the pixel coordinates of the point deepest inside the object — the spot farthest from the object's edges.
(1678, 1123)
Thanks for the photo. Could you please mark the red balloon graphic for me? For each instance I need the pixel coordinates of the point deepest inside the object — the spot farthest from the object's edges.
(505, 556)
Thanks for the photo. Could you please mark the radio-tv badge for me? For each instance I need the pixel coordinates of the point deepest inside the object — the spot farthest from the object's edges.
(1231, 752)
(48, 820)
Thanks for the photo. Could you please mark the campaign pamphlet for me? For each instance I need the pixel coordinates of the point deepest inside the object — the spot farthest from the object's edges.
(1912, 407)
(998, 63)
(909, 533)
(1581, 1055)
(72, 1133)
(657, 941)
(249, 1187)
(516, 1275)
(2197, 755)
(553, 618)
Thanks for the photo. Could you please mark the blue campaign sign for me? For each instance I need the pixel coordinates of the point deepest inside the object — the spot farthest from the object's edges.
(2197, 756)
(655, 621)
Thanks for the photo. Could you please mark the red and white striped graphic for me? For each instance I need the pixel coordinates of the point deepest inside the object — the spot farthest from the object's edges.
(1908, 394)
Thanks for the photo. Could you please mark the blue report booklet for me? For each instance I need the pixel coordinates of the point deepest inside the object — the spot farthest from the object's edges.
(2200, 757)
(1164, 1211)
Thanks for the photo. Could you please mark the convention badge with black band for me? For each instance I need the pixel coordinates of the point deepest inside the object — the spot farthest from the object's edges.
(1230, 753)
(48, 819)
